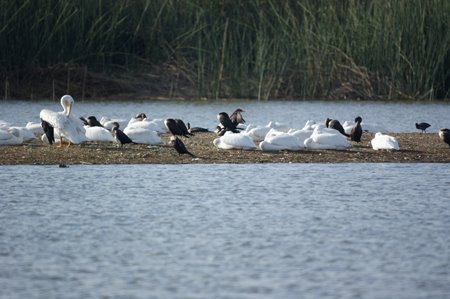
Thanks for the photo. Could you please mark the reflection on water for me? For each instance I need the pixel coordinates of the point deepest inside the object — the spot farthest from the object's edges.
(394, 116)
(225, 231)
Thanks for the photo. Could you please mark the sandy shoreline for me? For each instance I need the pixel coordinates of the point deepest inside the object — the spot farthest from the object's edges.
(414, 148)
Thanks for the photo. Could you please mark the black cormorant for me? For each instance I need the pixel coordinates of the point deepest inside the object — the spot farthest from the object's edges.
(119, 136)
(335, 124)
(196, 129)
(49, 131)
(422, 126)
(356, 132)
(84, 120)
(93, 122)
(140, 116)
(444, 134)
(179, 146)
(177, 127)
(226, 123)
(236, 117)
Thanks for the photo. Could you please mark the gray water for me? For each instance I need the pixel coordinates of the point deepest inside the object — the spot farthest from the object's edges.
(225, 231)
(394, 116)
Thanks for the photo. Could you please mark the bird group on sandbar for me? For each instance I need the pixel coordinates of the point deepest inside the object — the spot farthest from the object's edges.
(64, 128)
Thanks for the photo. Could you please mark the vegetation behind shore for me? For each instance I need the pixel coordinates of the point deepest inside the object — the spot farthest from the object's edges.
(231, 48)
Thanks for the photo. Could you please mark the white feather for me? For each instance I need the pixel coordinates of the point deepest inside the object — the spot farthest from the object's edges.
(65, 123)
(144, 136)
(234, 141)
(382, 141)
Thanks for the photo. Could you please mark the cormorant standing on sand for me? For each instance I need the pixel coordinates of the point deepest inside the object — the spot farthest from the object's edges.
(119, 136)
(226, 123)
(196, 129)
(177, 127)
(236, 117)
(422, 126)
(179, 146)
(356, 132)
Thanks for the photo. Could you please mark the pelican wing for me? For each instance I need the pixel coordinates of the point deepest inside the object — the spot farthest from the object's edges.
(143, 136)
(382, 141)
(73, 130)
(55, 119)
(237, 141)
(98, 134)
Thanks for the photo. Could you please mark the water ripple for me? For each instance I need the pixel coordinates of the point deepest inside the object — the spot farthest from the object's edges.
(225, 231)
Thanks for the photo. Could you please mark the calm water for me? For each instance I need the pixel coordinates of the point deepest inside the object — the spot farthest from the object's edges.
(394, 116)
(225, 231)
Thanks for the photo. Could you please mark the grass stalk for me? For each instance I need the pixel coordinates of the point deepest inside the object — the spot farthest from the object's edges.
(245, 48)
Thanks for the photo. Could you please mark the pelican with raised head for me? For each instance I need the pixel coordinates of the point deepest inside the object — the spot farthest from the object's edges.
(63, 124)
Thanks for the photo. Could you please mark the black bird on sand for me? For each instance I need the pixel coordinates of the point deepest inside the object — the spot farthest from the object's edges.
(49, 131)
(422, 126)
(444, 134)
(356, 133)
(179, 146)
(236, 117)
(335, 124)
(177, 127)
(220, 131)
(196, 129)
(226, 123)
(119, 136)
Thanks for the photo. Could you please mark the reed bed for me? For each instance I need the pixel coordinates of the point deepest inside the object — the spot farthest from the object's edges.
(242, 48)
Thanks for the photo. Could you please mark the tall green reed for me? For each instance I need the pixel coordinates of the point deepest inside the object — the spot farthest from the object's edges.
(243, 48)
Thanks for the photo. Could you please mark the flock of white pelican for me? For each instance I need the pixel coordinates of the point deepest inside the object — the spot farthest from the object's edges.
(64, 127)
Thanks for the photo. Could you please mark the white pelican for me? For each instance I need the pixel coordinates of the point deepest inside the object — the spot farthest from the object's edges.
(234, 141)
(36, 128)
(277, 141)
(10, 136)
(25, 133)
(98, 134)
(4, 124)
(142, 135)
(156, 125)
(382, 141)
(324, 138)
(348, 126)
(63, 123)
(310, 126)
(258, 133)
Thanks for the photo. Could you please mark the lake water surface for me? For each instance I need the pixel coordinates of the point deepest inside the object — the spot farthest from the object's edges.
(225, 231)
(394, 116)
